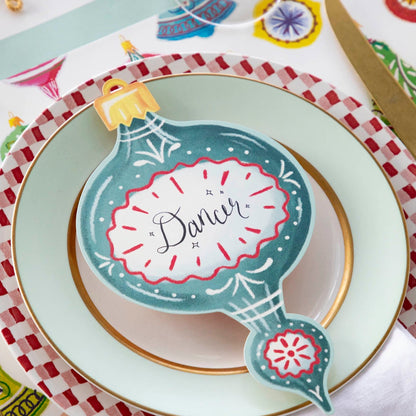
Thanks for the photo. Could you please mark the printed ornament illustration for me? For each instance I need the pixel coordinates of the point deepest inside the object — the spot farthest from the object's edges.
(404, 9)
(42, 76)
(204, 216)
(292, 24)
(131, 51)
(193, 18)
(16, 399)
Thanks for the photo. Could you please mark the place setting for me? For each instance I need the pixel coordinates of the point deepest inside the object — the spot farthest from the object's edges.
(213, 229)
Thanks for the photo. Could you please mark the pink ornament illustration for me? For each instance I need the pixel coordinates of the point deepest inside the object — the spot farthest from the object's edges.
(42, 76)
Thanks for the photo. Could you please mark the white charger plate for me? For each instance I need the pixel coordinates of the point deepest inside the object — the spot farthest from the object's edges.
(334, 151)
(40, 244)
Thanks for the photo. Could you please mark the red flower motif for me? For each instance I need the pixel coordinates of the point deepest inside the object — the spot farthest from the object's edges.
(292, 353)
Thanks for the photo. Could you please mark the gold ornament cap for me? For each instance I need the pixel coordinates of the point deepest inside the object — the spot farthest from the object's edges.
(122, 105)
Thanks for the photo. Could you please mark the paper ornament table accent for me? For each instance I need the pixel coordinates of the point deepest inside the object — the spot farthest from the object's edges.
(204, 216)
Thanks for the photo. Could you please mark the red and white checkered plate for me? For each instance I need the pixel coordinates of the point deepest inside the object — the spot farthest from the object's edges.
(47, 369)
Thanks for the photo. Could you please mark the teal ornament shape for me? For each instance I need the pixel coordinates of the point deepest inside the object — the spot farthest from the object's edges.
(204, 216)
(193, 18)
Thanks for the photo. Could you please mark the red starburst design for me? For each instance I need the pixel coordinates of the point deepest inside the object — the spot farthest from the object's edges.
(292, 353)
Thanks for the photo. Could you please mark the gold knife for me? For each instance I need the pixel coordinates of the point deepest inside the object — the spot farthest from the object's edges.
(396, 105)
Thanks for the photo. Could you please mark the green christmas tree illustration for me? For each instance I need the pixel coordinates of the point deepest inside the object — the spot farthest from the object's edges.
(404, 73)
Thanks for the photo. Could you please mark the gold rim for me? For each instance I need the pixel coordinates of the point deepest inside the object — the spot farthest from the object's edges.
(335, 307)
(279, 413)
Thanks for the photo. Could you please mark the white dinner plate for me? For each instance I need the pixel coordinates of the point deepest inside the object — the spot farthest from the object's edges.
(40, 245)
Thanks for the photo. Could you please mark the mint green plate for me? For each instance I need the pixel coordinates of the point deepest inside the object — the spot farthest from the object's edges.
(57, 175)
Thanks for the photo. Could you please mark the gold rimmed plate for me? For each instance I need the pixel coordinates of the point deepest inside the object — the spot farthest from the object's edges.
(213, 343)
(43, 212)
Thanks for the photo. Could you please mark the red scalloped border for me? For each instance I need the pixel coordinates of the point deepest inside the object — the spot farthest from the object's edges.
(216, 271)
(297, 331)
